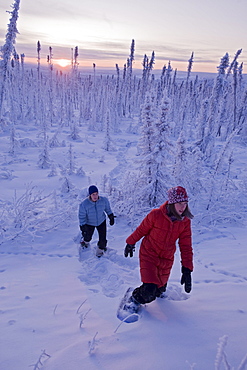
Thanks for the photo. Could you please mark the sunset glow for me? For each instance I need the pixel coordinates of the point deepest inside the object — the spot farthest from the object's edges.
(62, 62)
(103, 32)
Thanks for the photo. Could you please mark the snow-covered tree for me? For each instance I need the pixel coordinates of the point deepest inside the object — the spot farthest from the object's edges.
(148, 117)
(74, 130)
(71, 165)
(76, 54)
(13, 141)
(233, 62)
(182, 172)
(44, 158)
(189, 69)
(53, 171)
(158, 177)
(8, 49)
(38, 52)
(212, 128)
(67, 186)
(108, 142)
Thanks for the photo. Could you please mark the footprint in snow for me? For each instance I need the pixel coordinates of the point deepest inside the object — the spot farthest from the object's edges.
(110, 286)
(175, 293)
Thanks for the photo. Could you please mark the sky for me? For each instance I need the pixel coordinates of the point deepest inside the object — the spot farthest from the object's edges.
(103, 31)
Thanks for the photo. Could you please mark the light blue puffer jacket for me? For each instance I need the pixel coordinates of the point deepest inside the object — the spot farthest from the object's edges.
(94, 213)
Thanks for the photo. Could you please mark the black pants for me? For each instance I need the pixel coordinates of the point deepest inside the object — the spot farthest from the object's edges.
(88, 234)
(148, 292)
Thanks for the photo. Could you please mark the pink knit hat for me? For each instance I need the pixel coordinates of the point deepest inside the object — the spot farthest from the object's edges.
(177, 195)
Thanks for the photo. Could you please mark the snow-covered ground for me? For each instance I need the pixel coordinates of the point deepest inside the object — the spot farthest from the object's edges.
(58, 309)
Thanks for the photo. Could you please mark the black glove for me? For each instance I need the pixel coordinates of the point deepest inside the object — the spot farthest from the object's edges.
(111, 218)
(129, 249)
(186, 279)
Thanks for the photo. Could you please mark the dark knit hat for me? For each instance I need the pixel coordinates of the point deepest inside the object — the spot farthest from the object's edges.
(92, 189)
(177, 195)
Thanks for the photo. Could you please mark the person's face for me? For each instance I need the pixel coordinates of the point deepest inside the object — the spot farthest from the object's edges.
(180, 207)
(95, 197)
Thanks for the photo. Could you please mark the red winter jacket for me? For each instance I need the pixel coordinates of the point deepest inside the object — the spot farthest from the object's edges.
(159, 245)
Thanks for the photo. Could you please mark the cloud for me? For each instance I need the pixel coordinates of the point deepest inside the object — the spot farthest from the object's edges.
(117, 52)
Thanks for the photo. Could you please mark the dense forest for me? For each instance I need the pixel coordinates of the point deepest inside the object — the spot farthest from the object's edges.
(187, 127)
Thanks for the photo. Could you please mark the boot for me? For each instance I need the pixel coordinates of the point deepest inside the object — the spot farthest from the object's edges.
(132, 306)
(100, 252)
(84, 244)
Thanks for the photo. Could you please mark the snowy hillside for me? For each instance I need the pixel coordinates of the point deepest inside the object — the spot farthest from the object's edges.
(54, 301)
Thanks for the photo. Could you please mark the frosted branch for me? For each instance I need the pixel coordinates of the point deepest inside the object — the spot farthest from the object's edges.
(39, 363)
(93, 344)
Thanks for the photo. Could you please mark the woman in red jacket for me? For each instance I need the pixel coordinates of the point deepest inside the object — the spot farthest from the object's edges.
(160, 230)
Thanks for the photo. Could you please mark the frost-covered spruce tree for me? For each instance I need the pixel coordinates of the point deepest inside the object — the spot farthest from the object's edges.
(151, 63)
(74, 130)
(54, 142)
(155, 190)
(124, 197)
(214, 102)
(71, 165)
(186, 104)
(44, 158)
(168, 78)
(76, 54)
(67, 186)
(13, 141)
(217, 92)
(129, 92)
(108, 143)
(230, 103)
(118, 95)
(53, 171)
(235, 86)
(7, 50)
(149, 153)
(240, 76)
(92, 124)
(118, 78)
(180, 114)
(241, 118)
(147, 68)
(224, 197)
(196, 168)
(164, 128)
(182, 171)
(233, 62)
(201, 122)
(161, 156)
(162, 77)
(38, 52)
(131, 59)
(50, 88)
(80, 172)
(189, 69)
(225, 116)
(148, 117)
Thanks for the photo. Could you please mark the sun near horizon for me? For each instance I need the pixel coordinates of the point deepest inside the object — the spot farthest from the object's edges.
(62, 62)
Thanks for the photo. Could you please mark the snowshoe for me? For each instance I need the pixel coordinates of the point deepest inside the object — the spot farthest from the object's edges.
(100, 252)
(129, 309)
(84, 245)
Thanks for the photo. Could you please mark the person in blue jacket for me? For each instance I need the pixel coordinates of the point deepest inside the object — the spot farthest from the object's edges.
(92, 214)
